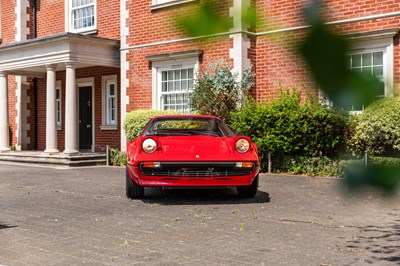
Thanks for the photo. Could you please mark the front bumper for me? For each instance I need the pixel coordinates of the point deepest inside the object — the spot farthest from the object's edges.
(193, 174)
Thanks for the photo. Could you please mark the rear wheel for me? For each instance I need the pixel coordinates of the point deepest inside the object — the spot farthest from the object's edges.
(133, 190)
(248, 191)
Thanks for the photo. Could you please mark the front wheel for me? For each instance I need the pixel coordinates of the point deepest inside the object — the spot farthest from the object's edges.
(133, 190)
(248, 191)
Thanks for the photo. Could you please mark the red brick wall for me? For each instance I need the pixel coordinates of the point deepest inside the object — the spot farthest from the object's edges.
(51, 18)
(103, 137)
(8, 21)
(140, 71)
(148, 26)
(108, 23)
(276, 63)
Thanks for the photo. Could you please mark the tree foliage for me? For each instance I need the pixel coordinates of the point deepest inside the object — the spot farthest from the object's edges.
(219, 92)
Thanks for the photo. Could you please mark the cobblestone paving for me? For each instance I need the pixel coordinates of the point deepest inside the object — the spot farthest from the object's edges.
(81, 217)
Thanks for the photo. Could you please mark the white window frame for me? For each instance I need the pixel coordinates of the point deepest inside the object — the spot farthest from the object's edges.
(156, 4)
(69, 22)
(59, 105)
(106, 82)
(158, 67)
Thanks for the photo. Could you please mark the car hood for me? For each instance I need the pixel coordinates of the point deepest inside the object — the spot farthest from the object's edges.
(189, 149)
(195, 145)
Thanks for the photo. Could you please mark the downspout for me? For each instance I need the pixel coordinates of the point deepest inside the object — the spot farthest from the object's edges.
(35, 83)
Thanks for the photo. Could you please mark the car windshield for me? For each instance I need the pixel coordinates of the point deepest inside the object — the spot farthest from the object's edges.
(187, 126)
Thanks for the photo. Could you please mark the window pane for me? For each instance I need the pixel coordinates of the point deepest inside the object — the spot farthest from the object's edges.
(380, 90)
(190, 85)
(177, 74)
(177, 85)
(170, 75)
(367, 70)
(174, 84)
(170, 86)
(112, 89)
(366, 60)
(184, 74)
(356, 60)
(184, 85)
(164, 75)
(164, 86)
(378, 58)
(378, 71)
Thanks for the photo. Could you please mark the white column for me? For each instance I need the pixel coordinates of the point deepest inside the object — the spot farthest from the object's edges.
(4, 126)
(71, 130)
(51, 120)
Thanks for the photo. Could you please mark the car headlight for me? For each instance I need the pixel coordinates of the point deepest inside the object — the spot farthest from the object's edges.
(149, 145)
(242, 145)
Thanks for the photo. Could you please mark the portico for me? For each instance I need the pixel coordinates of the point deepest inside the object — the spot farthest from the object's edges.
(43, 58)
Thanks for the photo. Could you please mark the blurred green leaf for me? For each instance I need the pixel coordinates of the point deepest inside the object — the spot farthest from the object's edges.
(205, 21)
(384, 178)
(325, 54)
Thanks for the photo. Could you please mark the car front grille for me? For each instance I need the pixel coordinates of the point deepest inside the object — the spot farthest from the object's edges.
(196, 170)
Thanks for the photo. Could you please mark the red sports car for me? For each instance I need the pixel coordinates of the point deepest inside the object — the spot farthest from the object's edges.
(191, 151)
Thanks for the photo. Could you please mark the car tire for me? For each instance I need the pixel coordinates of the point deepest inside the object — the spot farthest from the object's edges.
(133, 190)
(248, 191)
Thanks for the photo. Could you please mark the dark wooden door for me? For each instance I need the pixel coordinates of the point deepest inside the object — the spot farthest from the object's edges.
(85, 118)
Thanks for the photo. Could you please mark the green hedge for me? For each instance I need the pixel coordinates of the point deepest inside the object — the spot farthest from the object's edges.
(377, 129)
(135, 121)
(287, 127)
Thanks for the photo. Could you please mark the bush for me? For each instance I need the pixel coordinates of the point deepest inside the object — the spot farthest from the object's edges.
(219, 93)
(377, 129)
(116, 157)
(135, 121)
(285, 127)
(302, 165)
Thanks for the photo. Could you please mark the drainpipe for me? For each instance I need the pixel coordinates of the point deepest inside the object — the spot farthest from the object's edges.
(35, 84)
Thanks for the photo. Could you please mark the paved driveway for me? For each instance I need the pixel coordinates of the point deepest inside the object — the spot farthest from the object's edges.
(81, 216)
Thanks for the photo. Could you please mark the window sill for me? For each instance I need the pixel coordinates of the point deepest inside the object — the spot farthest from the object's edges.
(85, 31)
(169, 4)
(107, 127)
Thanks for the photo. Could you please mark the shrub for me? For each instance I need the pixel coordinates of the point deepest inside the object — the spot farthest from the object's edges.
(377, 129)
(284, 126)
(116, 157)
(312, 166)
(135, 121)
(219, 93)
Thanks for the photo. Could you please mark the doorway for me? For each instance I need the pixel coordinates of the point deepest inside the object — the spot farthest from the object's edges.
(85, 118)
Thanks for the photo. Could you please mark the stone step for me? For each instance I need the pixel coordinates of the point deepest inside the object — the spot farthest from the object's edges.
(82, 159)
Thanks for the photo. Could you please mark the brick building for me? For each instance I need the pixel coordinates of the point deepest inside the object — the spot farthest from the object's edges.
(70, 70)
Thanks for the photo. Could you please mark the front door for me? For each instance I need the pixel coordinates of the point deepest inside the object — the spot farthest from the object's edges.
(85, 118)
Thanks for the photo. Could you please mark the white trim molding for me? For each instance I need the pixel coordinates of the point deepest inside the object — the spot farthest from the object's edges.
(105, 81)
(157, 4)
(124, 66)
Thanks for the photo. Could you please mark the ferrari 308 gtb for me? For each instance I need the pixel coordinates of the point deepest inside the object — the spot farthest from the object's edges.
(185, 151)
